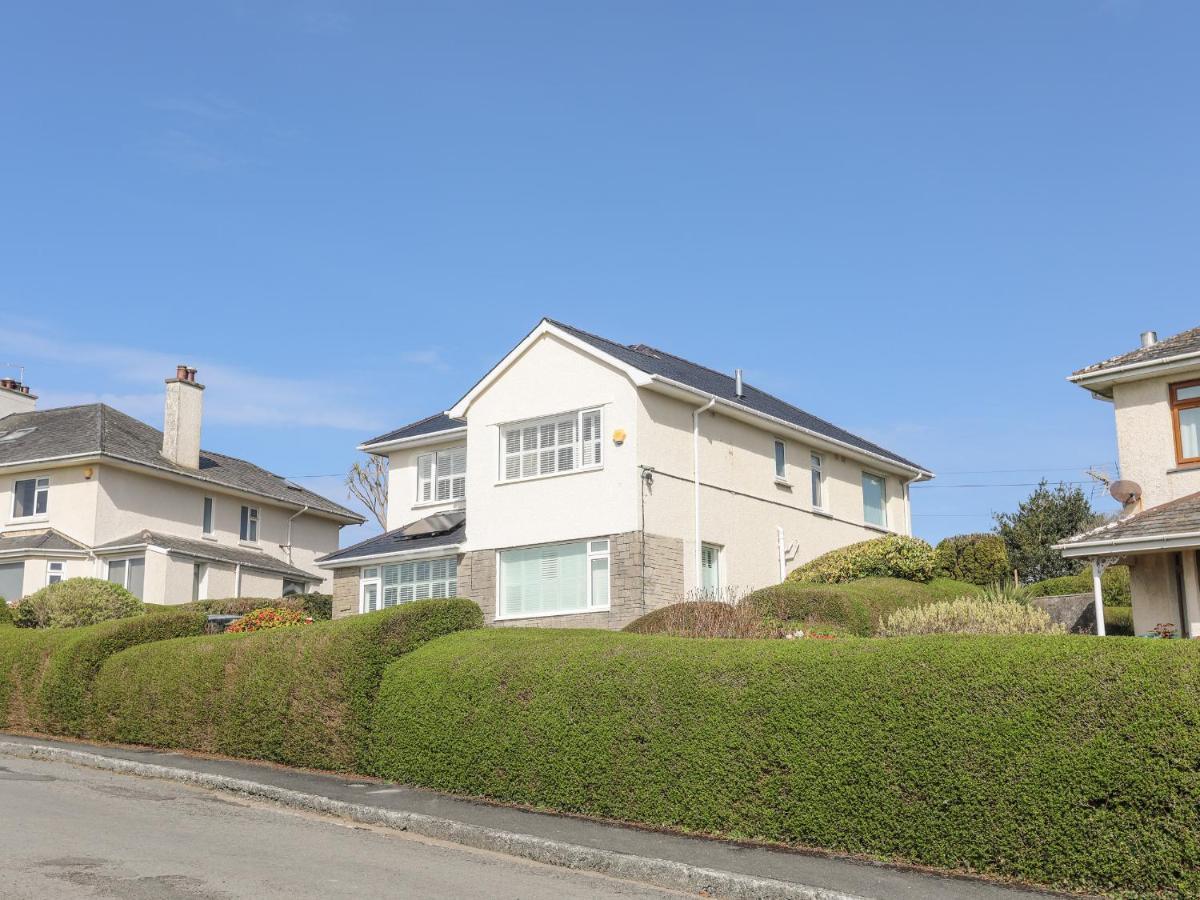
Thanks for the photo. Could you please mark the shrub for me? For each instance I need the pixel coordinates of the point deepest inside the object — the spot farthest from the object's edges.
(75, 602)
(1118, 621)
(1114, 585)
(855, 607)
(301, 696)
(976, 558)
(269, 617)
(319, 606)
(893, 556)
(6, 616)
(46, 676)
(1061, 760)
(969, 615)
(239, 606)
(705, 618)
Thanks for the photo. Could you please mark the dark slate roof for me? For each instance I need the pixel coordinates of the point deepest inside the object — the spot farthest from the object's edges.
(48, 539)
(1178, 345)
(658, 362)
(439, 530)
(431, 425)
(250, 559)
(1180, 516)
(102, 430)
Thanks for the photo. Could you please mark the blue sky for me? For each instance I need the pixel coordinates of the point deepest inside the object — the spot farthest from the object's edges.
(913, 219)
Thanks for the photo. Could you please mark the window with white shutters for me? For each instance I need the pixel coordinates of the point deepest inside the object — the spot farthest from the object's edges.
(385, 586)
(442, 476)
(553, 579)
(552, 446)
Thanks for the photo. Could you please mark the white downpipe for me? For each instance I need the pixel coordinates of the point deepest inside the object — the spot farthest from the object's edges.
(782, 555)
(289, 543)
(237, 580)
(1098, 589)
(712, 401)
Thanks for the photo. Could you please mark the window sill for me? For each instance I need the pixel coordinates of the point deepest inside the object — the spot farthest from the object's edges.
(253, 545)
(1185, 467)
(552, 615)
(428, 503)
(503, 483)
(783, 483)
(882, 529)
(821, 511)
(209, 537)
(28, 520)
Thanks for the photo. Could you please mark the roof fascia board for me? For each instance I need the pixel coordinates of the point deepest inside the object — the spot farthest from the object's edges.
(350, 561)
(39, 552)
(382, 448)
(1131, 544)
(684, 392)
(56, 462)
(544, 327)
(1134, 371)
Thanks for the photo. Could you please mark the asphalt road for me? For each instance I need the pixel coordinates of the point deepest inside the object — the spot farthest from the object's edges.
(67, 831)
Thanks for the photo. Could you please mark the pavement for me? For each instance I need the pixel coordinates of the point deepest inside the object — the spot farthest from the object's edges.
(76, 823)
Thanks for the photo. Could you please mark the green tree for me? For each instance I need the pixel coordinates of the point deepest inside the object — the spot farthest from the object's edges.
(1047, 517)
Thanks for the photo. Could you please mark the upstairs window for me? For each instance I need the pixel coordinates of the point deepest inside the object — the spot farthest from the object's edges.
(249, 531)
(554, 445)
(31, 497)
(442, 476)
(1185, 415)
(780, 461)
(818, 482)
(206, 518)
(874, 499)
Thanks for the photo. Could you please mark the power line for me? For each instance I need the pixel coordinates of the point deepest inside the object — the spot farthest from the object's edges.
(1015, 471)
(926, 487)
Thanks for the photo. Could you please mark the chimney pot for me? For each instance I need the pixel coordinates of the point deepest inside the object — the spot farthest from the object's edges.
(1149, 338)
(181, 373)
(737, 382)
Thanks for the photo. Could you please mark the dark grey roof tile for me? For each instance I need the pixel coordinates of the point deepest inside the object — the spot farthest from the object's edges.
(1176, 345)
(430, 425)
(440, 530)
(210, 550)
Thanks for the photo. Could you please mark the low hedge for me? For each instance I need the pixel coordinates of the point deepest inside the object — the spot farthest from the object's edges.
(1118, 621)
(301, 696)
(6, 616)
(855, 607)
(891, 556)
(47, 675)
(1114, 585)
(76, 602)
(1066, 761)
(978, 558)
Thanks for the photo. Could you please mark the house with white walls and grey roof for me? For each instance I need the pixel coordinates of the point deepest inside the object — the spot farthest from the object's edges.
(584, 482)
(91, 491)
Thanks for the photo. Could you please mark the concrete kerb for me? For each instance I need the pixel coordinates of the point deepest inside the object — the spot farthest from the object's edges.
(660, 872)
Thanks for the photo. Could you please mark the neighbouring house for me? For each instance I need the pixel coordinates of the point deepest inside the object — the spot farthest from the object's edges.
(584, 482)
(1155, 393)
(90, 491)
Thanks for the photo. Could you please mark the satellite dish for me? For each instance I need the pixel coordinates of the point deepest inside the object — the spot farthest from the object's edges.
(1125, 492)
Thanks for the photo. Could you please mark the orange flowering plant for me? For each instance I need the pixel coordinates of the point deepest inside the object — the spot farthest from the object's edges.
(270, 617)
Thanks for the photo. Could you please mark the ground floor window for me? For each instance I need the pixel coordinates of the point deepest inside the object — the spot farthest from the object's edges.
(710, 568)
(129, 573)
(292, 587)
(54, 572)
(12, 581)
(556, 578)
(385, 586)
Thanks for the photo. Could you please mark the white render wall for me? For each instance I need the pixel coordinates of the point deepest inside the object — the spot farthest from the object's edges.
(1146, 439)
(551, 377)
(403, 507)
(72, 501)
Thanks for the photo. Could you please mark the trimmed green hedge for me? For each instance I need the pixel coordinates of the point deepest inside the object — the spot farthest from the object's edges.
(76, 602)
(978, 558)
(302, 696)
(46, 675)
(1114, 585)
(856, 606)
(1118, 621)
(1067, 761)
(891, 556)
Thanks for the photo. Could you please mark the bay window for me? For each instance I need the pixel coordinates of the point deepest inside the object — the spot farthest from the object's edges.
(384, 586)
(874, 499)
(1185, 418)
(442, 475)
(552, 579)
(553, 445)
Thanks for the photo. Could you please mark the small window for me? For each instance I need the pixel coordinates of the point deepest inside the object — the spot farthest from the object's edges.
(780, 461)
(129, 574)
(1185, 417)
(442, 476)
(710, 569)
(874, 499)
(199, 582)
(54, 572)
(249, 532)
(207, 518)
(818, 482)
(292, 588)
(368, 591)
(551, 446)
(31, 497)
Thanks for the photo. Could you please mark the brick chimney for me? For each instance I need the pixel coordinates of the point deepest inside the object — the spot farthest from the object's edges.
(15, 398)
(181, 419)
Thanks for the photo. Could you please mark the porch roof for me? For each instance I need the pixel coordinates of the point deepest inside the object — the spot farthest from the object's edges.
(1168, 526)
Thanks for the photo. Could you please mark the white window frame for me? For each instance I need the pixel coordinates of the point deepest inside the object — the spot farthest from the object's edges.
(41, 488)
(429, 485)
(577, 445)
(208, 510)
(55, 575)
(422, 585)
(124, 582)
(780, 449)
(248, 522)
(369, 577)
(866, 473)
(718, 567)
(594, 552)
(816, 464)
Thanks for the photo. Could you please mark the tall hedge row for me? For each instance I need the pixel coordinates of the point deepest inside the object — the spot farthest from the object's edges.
(891, 556)
(302, 696)
(1067, 761)
(46, 675)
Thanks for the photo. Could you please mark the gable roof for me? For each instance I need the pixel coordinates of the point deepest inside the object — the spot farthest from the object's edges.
(435, 424)
(1174, 520)
(447, 529)
(1186, 343)
(45, 541)
(243, 556)
(100, 430)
